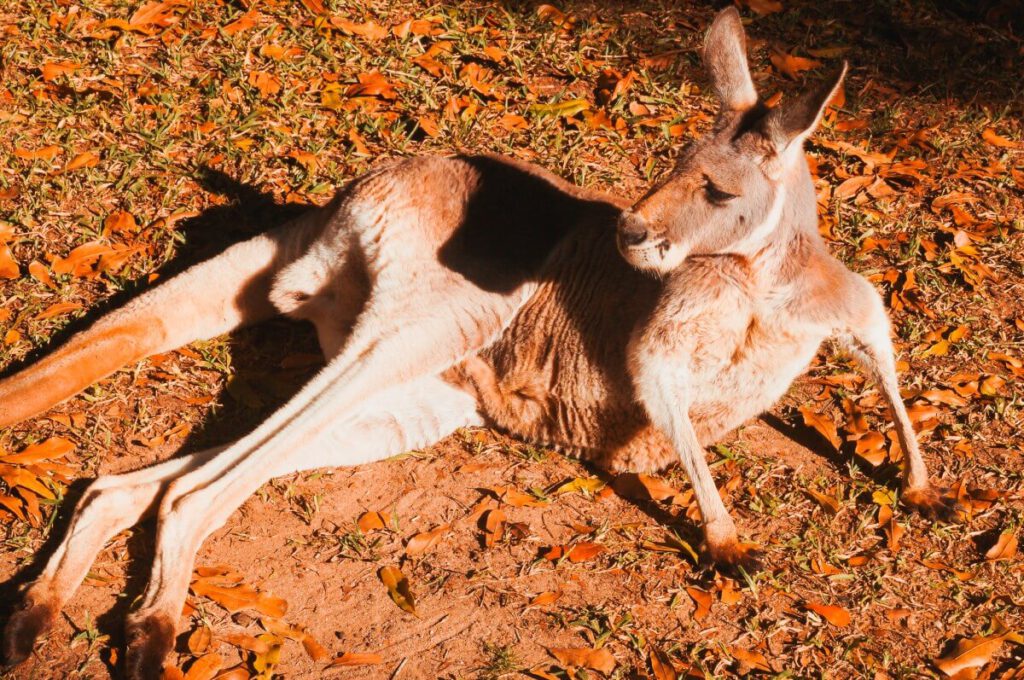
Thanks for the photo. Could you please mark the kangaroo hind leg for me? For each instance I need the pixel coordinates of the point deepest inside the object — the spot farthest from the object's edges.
(409, 416)
(111, 504)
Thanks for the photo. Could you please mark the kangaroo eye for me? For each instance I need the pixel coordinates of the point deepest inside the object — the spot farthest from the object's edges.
(716, 195)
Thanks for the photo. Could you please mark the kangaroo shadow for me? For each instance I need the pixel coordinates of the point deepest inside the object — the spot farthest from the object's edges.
(246, 213)
(967, 51)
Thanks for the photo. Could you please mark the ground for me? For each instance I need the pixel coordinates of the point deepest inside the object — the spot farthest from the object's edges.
(138, 137)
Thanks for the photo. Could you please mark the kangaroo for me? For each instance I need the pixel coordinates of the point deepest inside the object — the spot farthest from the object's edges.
(466, 291)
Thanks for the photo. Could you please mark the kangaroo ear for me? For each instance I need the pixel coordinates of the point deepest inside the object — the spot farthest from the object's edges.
(725, 56)
(793, 122)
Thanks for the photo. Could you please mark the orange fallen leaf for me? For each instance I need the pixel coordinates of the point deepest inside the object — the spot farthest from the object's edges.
(791, 65)
(370, 30)
(428, 123)
(9, 268)
(353, 659)
(942, 566)
(52, 70)
(493, 524)
(661, 664)
(205, 667)
(280, 52)
(584, 551)
(513, 122)
(546, 598)
(57, 309)
(422, 542)
(369, 521)
(267, 83)
(372, 84)
(161, 14)
(80, 260)
(246, 642)
(555, 16)
(750, 660)
(119, 222)
(200, 639)
(892, 530)
(358, 143)
(970, 653)
(827, 502)
(232, 598)
(271, 606)
(242, 23)
(314, 650)
(50, 449)
(643, 487)
(703, 601)
(600, 660)
(1005, 548)
(86, 159)
(46, 153)
(823, 424)
(990, 135)
(834, 614)
(239, 672)
(581, 552)
(420, 27)
(517, 498)
(398, 588)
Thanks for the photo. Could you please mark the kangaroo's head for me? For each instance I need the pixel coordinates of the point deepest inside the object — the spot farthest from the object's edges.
(729, 189)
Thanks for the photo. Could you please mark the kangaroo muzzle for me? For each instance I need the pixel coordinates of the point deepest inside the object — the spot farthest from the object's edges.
(632, 230)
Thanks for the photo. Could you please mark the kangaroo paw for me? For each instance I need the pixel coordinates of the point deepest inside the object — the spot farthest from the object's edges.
(930, 502)
(24, 628)
(731, 556)
(150, 640)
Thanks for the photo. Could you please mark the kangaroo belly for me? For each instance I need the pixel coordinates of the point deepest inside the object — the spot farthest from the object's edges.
(558, 374)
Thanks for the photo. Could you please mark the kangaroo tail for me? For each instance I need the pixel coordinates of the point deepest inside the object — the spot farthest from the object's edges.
(208, 299)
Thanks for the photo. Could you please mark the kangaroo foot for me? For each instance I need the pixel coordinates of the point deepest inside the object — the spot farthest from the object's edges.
(730, 556)
(931, 501)
(30, 621)
(150, 640)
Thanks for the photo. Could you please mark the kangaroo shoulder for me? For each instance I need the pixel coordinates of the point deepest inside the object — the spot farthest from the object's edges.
(832, 293)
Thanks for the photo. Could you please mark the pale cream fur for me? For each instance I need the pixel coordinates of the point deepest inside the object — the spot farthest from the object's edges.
(449, 292)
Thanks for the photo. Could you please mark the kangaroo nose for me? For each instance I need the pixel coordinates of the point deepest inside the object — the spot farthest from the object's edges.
(632, 238)
(632, 230)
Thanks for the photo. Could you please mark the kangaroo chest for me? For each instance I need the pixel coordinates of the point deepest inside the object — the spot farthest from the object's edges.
(742, 361)
(739, 341)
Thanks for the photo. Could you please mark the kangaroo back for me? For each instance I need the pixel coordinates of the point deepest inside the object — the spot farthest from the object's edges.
(210, 298)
